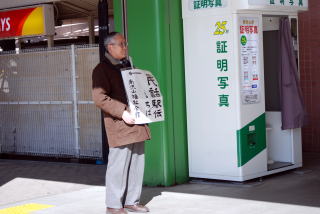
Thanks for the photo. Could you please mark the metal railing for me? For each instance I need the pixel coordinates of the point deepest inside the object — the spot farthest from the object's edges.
(45, 103)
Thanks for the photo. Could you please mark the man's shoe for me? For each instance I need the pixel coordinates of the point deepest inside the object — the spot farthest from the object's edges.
(138, 208)
(116, 211)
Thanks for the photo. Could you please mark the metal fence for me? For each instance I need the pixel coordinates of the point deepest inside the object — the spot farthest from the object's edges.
(46, 107)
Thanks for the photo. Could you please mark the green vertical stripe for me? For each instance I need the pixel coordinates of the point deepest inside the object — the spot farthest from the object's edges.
(178, 91)
(117, 12)
(155, 43)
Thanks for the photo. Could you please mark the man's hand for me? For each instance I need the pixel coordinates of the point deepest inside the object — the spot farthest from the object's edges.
(128, 118)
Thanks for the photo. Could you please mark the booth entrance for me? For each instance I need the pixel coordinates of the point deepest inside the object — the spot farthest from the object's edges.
(234, 63)
(280, 143)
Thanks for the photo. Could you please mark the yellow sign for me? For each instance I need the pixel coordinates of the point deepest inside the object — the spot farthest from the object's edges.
(24, 209)
(26, 22)
(34, 24)
(221, 28)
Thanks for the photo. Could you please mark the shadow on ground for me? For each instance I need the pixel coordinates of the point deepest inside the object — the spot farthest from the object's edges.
(88, 174)
(296, 187)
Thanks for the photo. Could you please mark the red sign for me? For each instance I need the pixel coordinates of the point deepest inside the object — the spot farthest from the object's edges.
(249, 29)
(22, 22)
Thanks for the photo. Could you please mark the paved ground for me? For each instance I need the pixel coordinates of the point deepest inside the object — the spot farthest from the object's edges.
(40, 187)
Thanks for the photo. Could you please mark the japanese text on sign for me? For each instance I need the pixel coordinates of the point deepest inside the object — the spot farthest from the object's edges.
(222, 62)
(249, 56)
(291, 3)
(144, 97)
(206, 4)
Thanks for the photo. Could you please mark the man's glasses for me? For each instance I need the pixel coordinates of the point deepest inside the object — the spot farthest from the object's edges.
(122, 44)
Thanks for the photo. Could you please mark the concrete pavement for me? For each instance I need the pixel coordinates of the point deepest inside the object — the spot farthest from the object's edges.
(39, 187)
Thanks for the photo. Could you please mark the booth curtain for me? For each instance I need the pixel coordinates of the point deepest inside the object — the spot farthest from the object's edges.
(292, 106)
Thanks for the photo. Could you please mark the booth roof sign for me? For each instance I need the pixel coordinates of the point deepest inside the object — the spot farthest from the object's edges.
(289, 3)
(206, 4)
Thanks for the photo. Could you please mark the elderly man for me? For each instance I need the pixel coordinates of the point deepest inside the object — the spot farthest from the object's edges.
(125, 168)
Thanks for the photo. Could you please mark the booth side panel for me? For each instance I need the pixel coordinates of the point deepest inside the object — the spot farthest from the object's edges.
(252, 123)
(211, 96)
(297, 147)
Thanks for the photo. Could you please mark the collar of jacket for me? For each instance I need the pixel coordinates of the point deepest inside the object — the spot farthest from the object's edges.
(120, 64)
(112, 60)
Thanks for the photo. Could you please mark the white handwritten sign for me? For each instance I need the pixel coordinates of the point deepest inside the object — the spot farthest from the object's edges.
(144, 97)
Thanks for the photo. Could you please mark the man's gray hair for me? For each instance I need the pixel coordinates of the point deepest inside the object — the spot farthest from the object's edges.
(110, 38)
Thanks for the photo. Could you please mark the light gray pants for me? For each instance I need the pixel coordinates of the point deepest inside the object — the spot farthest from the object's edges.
(124, 175)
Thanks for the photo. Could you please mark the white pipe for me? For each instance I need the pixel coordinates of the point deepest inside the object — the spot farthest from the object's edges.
(75, 99)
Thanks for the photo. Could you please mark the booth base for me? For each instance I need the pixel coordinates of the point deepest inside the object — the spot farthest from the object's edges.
(280, 167)
(277, 165)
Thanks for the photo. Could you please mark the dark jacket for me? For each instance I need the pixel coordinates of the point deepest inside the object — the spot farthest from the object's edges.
(109, 95)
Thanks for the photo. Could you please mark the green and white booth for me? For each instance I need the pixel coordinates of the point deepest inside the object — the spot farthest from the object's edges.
(234, 124)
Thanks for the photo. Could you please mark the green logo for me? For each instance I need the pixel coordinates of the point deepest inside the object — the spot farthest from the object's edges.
(244, 40)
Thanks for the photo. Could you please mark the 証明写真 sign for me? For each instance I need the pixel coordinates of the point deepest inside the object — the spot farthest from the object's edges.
(207, 4)
(249, 60)
(288, 3)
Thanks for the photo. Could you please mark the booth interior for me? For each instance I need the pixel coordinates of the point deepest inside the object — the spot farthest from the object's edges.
(280, 143)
